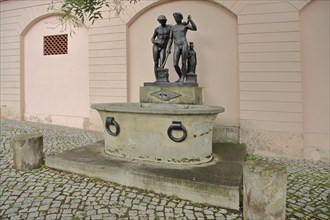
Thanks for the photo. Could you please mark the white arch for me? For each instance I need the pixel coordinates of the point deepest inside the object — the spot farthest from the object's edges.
(135, 10)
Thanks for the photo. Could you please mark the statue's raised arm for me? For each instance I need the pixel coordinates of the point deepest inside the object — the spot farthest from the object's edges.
(191, 24)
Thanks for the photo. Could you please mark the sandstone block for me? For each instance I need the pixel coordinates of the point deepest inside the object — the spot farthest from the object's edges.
(223, 134)
(264, 190)
(27, 151)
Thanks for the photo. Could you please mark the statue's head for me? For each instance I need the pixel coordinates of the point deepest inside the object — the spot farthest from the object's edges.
(161, 18)
(191, 45)
(177, 16)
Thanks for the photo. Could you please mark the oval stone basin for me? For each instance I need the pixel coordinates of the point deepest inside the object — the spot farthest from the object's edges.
(171, 133)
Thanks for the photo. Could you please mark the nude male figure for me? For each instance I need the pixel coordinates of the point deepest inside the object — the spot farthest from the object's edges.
(160, 39)
(178, 35)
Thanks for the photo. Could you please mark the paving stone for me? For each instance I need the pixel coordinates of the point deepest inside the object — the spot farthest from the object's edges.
(142, 207)
(299, 215)
(178, 210)
(91, 212)
(188, 211)
(169, 214)
(154, 199)
(102, 211)
(51, 217)
(147, 199)
(160, 214)
(220, 217)
(199, 215)
(33, 215)
(190, 216)
(96, 217)
(160, 208)
(44, 208)
(208, 212)
(163, 202)
(171, 204)
(135, 207)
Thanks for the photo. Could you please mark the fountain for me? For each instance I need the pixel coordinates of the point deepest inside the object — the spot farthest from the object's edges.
(166, 126)
(164, 142)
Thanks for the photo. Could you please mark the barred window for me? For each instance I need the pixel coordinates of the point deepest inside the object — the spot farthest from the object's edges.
(56, 44)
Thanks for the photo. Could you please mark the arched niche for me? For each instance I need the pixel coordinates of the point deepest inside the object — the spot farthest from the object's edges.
(56, 87)
(215, 44)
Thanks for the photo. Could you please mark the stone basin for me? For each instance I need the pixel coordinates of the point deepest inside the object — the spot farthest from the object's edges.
(170, 133)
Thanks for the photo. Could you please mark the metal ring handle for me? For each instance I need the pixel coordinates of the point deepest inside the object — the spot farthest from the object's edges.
(111, 121)
(177, 125)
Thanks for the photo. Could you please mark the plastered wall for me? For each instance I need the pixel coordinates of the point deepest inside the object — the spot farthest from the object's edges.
(272, 107)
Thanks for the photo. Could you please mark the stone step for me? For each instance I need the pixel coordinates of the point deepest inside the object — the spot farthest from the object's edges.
(216, 183)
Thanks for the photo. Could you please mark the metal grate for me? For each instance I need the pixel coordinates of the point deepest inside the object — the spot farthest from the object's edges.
(56, 44)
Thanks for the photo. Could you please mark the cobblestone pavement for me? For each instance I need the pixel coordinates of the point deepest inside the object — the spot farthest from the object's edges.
(49, 194)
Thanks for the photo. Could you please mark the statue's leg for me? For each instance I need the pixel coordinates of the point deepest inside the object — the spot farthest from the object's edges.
(162, 56)
(184, 60)
(176, 58)
(155, 52)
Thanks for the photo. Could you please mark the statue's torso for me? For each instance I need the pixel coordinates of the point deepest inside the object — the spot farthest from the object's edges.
(163, 34)
(179, 34)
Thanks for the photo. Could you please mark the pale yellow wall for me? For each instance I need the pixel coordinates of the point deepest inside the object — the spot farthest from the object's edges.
(56, 86)
(315, 23)
(216, 46)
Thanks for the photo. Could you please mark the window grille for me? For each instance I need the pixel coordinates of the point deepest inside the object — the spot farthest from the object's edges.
(56, 44)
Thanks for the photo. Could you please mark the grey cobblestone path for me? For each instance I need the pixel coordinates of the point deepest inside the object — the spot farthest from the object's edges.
(49, 194)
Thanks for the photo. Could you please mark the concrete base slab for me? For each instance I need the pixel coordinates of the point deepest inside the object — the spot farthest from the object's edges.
(216, 183)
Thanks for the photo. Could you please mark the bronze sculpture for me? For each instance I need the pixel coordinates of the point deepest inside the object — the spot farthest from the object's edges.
(163, 38)
(160, 39)
(178, 36)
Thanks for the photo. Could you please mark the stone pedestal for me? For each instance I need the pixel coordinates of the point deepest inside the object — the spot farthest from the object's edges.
(162, 75)
(264, 190)
(191, 78)
(172, 94)
(27, 151)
